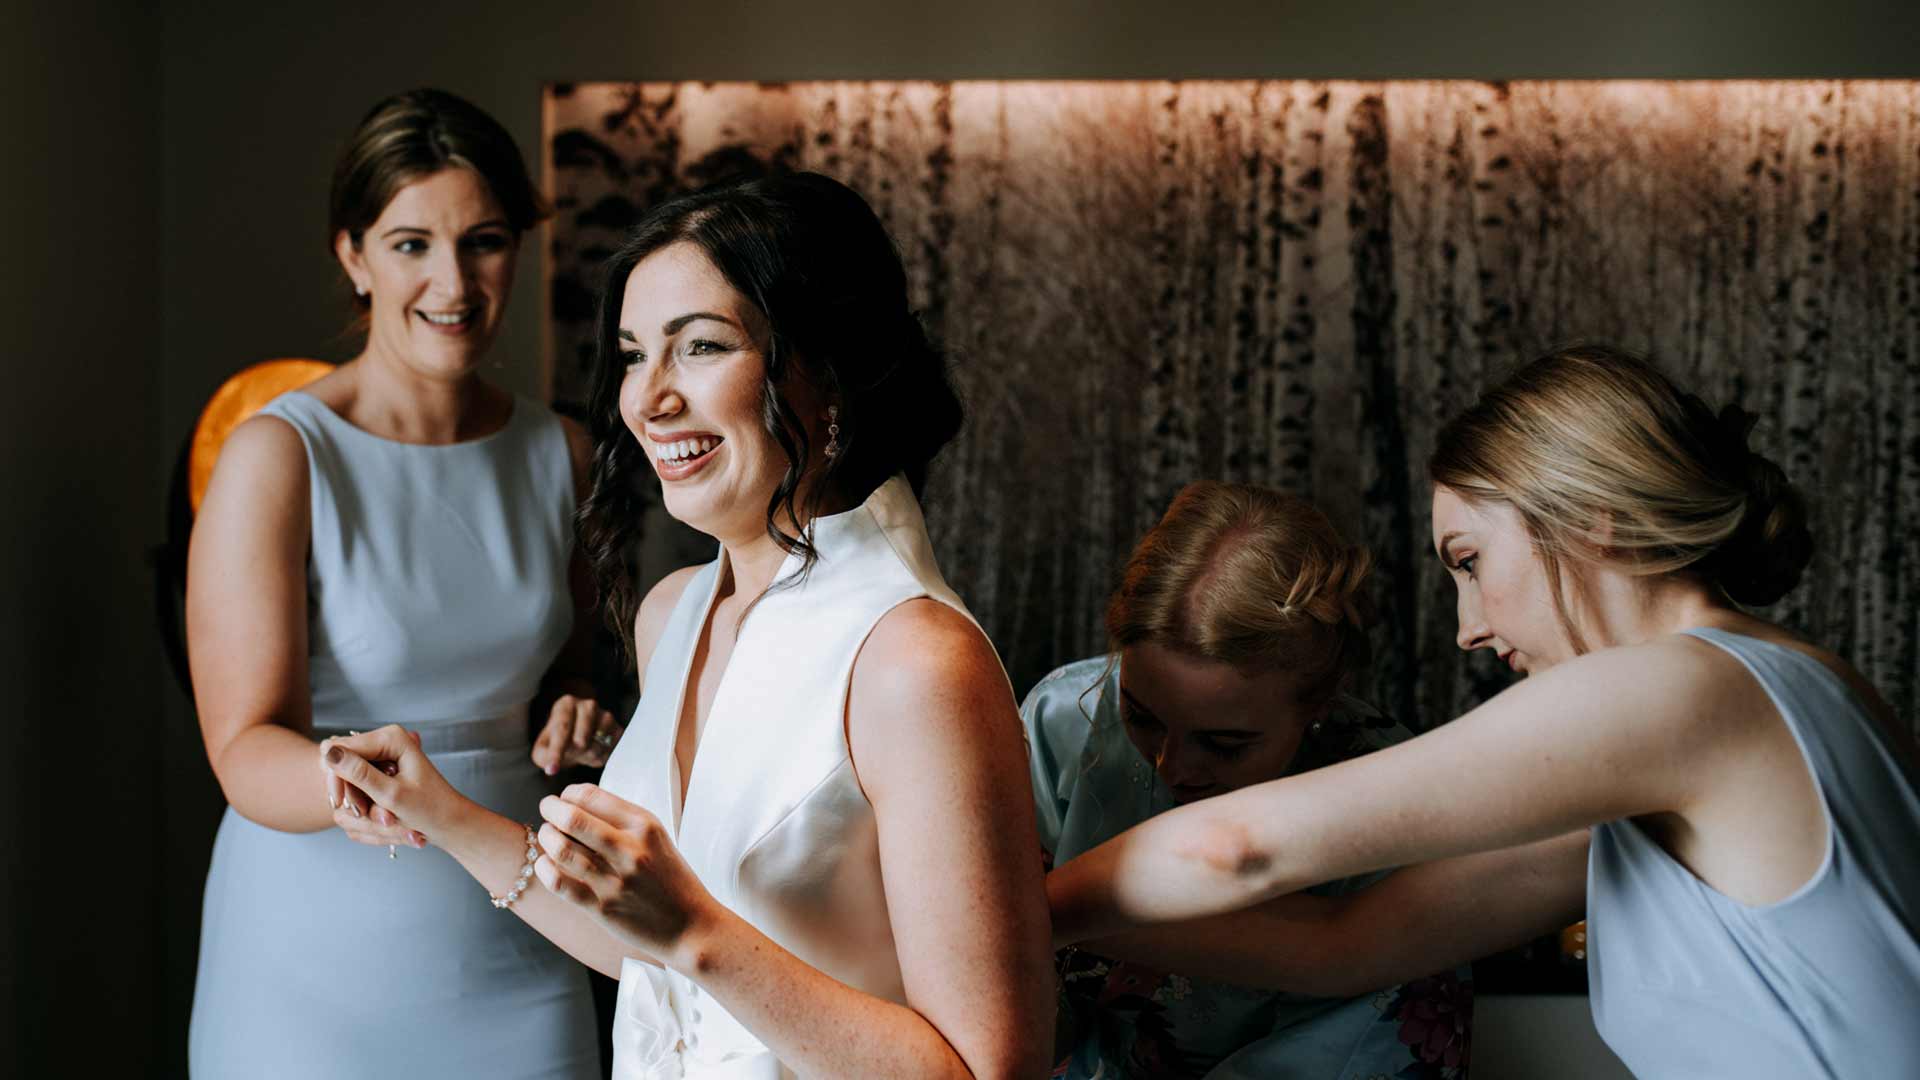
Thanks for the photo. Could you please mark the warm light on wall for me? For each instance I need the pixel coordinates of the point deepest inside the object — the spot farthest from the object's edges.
(1293, 283)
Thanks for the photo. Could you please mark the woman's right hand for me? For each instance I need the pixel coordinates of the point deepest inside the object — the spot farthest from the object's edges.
(363, 820)
(400, 796)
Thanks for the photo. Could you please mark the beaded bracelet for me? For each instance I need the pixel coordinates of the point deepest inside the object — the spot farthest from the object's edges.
(526, 872)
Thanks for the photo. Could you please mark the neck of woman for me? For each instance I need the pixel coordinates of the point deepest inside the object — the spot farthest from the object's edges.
(752, 564)
(1631, 610)
(400, 403)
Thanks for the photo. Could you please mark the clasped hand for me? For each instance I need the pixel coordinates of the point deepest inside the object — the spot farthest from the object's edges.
(361, 818)
(383, 788)
(599, 852)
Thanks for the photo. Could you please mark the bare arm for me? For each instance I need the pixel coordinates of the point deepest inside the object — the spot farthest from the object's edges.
(935, 740)
(247, 629)
(1615, 734)
(1417, 921)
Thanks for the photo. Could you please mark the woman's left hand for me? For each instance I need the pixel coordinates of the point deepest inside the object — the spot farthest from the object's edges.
(578, 732)
(615, 860)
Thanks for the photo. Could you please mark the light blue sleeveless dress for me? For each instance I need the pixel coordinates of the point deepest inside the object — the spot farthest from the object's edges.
(1686, 982)
(437, 599)
(1120, 1020)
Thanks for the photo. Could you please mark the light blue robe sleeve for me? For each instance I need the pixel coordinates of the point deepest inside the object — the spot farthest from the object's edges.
(1058, 725)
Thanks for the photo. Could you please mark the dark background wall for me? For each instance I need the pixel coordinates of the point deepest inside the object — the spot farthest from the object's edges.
(80, 425)
(166, 179)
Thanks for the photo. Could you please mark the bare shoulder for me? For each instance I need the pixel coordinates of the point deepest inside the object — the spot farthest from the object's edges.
(924, 649)
(929, 705)
(1668, 695)
(1649, 670)
(262, 465)
(928, 691)
(254, 518)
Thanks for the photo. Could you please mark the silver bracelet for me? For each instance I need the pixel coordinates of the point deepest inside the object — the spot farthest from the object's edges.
(526, 872)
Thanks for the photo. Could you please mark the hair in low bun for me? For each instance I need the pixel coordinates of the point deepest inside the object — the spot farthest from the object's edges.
(1764, 558)
(1593, 436)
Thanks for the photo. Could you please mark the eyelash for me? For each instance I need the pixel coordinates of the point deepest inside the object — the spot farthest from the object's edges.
(632, 357)
(1466, 563)
(485, 244)
(1223, 751)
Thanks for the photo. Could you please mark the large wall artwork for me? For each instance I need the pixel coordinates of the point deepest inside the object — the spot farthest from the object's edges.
(1291, 283)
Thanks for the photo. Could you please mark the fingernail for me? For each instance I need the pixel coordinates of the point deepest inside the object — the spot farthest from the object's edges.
(335, 755)
(356, 810)
(419, 841)
(551, 770)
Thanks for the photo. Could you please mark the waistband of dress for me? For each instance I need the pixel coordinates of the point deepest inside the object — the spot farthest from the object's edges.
(507, 731)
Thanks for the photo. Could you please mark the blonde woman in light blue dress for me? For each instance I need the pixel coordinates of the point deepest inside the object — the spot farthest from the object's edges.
(1752, 894)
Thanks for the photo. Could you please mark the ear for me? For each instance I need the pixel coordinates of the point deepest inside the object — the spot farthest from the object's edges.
(352, 260)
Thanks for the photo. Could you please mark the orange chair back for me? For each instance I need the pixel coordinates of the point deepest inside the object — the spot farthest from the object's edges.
(238, 399)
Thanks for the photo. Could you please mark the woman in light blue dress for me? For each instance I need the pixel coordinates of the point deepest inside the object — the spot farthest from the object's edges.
(1753, 887)
(390, 544)
(1239, 630)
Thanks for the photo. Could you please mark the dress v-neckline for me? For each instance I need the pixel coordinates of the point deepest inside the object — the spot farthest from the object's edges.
(681, 785)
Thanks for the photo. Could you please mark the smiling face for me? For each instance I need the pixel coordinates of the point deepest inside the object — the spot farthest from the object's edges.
(694, 349)
(1206, 727)
(437, 266)
(1505, 600)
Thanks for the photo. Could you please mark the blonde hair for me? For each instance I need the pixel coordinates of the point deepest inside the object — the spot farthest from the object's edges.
(1592, 436)
(1250, 577)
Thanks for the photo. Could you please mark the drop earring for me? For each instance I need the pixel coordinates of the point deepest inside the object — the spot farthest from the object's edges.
(833, 431)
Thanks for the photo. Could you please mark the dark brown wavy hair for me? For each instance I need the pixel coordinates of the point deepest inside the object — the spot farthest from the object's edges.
(810, 255)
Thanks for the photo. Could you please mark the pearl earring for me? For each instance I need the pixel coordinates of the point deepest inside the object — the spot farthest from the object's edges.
(360, 291)
(833, 431)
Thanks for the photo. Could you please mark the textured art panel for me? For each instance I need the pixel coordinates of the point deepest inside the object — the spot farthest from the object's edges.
(1296, 283)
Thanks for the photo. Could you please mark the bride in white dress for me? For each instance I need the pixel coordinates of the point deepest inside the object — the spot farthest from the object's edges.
(813, 851)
